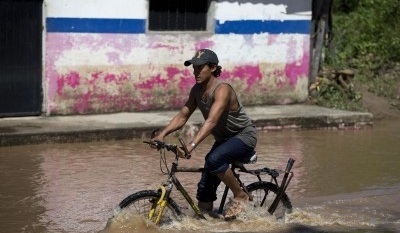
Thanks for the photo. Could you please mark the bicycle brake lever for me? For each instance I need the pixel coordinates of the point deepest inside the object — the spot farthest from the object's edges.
(187, 155)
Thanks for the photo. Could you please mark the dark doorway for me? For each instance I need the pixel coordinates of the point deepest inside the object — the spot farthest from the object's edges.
(21, 57)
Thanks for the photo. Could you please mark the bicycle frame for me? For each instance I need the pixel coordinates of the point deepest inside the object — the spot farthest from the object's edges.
(226, 190)
(166, 189)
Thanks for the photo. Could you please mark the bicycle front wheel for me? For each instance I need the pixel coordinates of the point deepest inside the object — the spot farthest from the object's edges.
(140, 203)
(264, 194)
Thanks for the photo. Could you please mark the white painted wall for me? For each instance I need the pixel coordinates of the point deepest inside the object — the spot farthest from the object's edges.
(249, 11)
(117, 9)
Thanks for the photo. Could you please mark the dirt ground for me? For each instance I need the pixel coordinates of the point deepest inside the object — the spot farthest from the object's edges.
(378, 106)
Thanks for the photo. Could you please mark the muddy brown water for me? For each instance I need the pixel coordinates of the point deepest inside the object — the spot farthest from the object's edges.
(345, 181)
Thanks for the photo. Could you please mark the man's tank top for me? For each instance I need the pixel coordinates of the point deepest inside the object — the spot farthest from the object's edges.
(231, 123)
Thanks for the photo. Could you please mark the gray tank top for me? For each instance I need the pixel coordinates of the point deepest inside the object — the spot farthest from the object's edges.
(231, 123)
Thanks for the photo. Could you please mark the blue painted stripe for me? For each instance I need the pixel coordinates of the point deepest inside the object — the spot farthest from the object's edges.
(90, 25)
(265, 26)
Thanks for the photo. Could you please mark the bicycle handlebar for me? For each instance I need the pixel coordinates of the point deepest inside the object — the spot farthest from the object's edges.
(160, 145)
(170, 147)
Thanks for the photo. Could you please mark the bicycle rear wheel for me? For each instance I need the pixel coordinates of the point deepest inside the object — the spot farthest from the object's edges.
(141, 202)
(264, 194)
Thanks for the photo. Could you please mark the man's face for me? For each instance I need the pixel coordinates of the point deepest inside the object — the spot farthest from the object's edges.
(202, 72)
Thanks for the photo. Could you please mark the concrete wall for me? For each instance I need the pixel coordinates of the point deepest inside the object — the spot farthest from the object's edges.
(99, 56)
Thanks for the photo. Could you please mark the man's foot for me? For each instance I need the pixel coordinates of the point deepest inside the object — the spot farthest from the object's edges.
(215, 214)
(234, 207)
(205, 207)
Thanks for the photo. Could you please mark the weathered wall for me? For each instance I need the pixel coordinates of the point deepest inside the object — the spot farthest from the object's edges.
(99, 57)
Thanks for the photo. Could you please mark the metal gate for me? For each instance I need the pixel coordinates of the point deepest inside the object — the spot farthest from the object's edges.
(21, 57)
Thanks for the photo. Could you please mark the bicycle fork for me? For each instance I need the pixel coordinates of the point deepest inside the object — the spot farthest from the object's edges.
(161, 203)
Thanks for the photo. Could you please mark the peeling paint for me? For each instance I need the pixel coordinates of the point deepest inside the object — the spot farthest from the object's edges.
(72, 79)
(140, 87)
(110, 72)
(153, 81)
(109, 78)
(203, 44)
(114, 58)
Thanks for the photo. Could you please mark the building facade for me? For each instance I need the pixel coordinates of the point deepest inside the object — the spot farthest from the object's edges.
(102, 56)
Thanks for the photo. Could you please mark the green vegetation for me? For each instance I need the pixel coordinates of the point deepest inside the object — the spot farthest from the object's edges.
(366, 39)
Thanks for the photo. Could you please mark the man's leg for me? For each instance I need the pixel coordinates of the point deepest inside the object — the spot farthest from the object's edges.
(223, 155)
(229, 180)
(207, 191)
(218, 162)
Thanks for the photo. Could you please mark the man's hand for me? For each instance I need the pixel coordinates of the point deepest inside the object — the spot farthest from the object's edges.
(181, 153)
(156, 138)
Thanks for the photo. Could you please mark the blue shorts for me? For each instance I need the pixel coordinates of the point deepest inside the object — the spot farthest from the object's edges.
(217, 161)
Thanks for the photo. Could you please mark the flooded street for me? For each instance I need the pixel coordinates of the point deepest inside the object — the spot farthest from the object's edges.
(345, 181)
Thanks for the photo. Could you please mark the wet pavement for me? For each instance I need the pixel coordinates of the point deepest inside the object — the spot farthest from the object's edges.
(117, 126)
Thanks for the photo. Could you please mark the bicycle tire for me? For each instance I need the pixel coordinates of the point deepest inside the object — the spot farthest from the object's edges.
(140, 203)
(264, 193)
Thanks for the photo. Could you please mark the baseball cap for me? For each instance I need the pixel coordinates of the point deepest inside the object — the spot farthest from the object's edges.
(202, 57)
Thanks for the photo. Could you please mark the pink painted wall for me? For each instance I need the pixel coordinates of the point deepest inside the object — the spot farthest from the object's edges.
(104, 73)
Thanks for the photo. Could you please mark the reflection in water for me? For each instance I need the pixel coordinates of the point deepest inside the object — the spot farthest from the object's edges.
(344, 181)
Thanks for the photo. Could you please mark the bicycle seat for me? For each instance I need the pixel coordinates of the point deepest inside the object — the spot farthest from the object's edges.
(252, 159)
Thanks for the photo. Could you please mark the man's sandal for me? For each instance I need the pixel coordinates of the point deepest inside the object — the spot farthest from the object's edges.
(233, 208)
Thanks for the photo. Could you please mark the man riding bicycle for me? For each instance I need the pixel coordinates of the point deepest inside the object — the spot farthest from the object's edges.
(225, 118)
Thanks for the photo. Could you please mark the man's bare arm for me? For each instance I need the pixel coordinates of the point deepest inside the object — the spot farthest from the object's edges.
(221, 102)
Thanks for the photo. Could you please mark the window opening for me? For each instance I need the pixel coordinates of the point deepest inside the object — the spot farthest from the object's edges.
(178, 15)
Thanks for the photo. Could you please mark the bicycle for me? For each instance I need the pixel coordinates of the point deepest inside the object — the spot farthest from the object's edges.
(152, 203)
